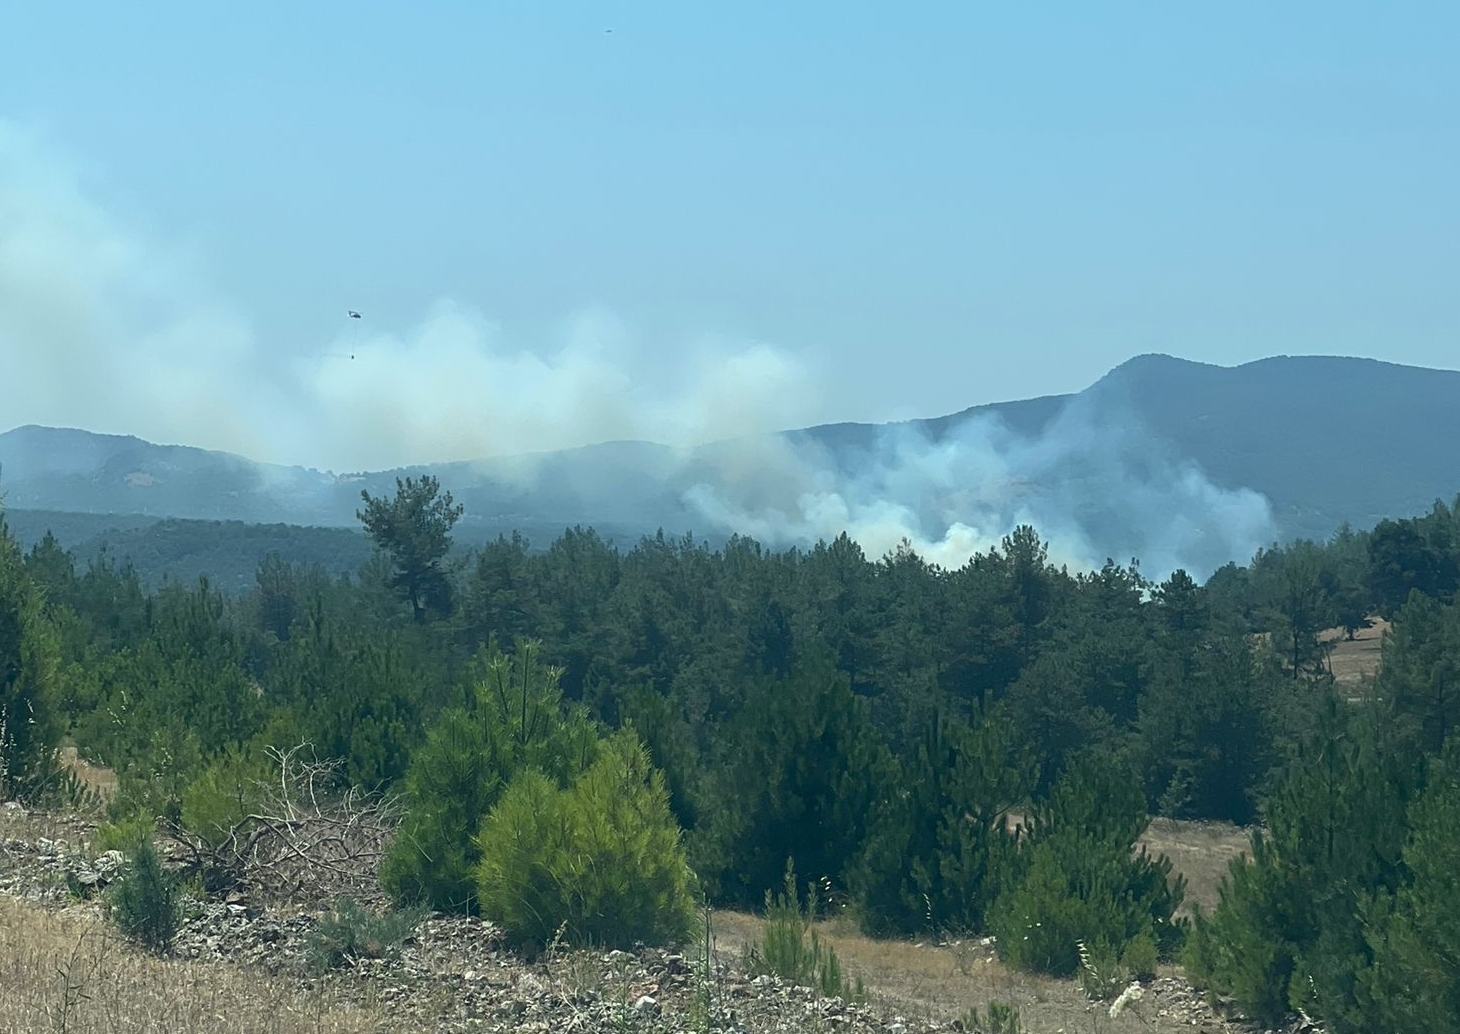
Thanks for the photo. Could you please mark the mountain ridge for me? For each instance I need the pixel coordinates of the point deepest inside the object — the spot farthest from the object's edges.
(1326, 440)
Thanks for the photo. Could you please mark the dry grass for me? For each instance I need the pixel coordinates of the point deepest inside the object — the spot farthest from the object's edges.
(942, 981)
(1354, 662)
(923, 980)
(102, 781)
(69, 972)
(32, 826)
(1200, 851)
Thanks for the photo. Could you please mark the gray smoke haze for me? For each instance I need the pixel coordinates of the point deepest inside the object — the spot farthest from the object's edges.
(104, 327)
(1092, 484)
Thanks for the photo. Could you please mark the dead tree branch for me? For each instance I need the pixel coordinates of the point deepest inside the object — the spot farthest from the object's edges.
(310, 839)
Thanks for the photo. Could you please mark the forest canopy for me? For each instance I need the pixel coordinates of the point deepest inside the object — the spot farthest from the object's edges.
(963, 750)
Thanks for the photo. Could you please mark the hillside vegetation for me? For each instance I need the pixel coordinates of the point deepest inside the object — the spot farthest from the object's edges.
(586, 741)
(1326, 440)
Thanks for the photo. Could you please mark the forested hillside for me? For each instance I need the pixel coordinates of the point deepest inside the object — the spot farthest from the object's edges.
(1201, 463)
(589, 737)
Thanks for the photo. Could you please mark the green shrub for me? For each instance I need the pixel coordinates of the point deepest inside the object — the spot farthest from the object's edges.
(515, 722)
(517, 881)
(349, 931)
(1104, 975)
(1244, 949)
(1414, 982)
(790, 947)
(153, 779)
(1140, 958)
(1293, 927)
(146, 902)
(939, 851)
(1001, 1018)
(807, 773)
(124, 833)
(30, 728)
(602, 861)
(1084, 885)
(229, 790)
(1100, 975)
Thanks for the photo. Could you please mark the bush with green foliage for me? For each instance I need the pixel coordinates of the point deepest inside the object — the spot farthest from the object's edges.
(803, 770)
(1083, 883)
(358, 697)
(1244, 949)
(514, 722)
(792, 949)
(124, 833)
(147, 901)
(29, 670)
(349, 931)
(1289, 931)
(1413, 985)
(938, 853)
(1103, 974)
(600, 862)
(999, 1018)
(152, 781)
(229, 790)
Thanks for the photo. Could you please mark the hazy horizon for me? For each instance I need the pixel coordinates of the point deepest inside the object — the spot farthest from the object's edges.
(567, 225)
(575, 225)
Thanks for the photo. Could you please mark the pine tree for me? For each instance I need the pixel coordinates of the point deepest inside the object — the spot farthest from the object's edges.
(1413, 935)
(29, 669)
(803, 772)
(600, 862)
(515, 721)
(1287, 932)
(415, 529)
(1082, 883)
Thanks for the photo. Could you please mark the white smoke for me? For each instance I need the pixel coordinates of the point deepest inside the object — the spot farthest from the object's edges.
(104, 329)
(1091, 483)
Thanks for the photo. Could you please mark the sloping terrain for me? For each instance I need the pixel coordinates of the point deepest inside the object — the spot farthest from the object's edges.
(243, 964)
(1325, 440)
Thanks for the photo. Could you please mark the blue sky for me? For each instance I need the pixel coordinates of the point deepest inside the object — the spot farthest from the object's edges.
(911, 208)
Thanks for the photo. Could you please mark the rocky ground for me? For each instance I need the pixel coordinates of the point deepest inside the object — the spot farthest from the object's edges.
(454, 973)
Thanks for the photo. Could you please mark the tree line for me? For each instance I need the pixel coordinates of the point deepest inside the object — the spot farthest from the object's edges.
(975, 749)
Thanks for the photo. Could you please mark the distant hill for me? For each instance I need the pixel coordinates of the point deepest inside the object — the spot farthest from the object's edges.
(1325, 440)
(164, 549)
(171, 549)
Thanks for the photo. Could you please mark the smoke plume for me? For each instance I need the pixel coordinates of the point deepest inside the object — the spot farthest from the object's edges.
(1091, 483)
(108, 330)
(102, 327)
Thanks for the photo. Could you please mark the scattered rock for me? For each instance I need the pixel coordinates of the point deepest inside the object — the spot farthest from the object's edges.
(455, 974)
